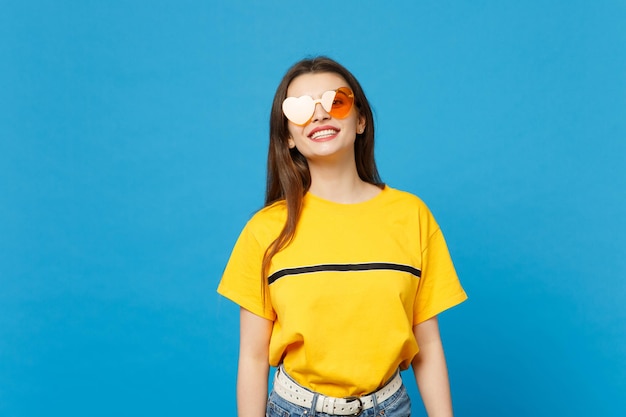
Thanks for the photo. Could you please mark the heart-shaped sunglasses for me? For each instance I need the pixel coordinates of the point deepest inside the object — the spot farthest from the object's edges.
(337, 103)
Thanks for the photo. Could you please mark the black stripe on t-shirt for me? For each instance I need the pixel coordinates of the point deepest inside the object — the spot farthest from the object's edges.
(370, 266)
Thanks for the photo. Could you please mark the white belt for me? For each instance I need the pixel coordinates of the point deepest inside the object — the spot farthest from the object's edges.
(290, 391)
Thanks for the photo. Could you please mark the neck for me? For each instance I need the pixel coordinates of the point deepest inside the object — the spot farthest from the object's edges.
(340, 183)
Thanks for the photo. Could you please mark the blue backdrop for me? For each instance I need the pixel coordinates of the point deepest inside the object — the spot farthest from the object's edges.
(132, 151)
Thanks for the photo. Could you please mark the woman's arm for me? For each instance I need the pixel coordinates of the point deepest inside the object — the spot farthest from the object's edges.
(431, 373)
(254, 341)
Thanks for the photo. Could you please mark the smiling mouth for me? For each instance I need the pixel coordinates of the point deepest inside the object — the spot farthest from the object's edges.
(323, 134)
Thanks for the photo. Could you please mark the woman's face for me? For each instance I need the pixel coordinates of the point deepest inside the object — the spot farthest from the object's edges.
(324, 136)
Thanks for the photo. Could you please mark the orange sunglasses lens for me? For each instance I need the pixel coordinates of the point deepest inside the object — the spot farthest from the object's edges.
(342, 103)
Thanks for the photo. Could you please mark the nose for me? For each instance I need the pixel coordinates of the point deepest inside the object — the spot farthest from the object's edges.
(319, 113)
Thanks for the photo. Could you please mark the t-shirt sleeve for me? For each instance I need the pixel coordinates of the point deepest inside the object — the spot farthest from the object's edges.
(242, 281)
(439, 288)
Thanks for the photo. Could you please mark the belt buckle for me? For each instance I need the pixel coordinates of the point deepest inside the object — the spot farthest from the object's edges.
(360, 409)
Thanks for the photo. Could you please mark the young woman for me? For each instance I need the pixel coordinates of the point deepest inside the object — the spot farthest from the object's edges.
(339, 277)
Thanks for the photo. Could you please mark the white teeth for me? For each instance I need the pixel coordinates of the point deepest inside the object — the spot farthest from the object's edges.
(325, 132)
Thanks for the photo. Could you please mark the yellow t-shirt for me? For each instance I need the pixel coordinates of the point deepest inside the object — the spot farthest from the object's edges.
(345, 294)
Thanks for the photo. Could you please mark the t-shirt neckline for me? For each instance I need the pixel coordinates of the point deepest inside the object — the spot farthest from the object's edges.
(312, 198)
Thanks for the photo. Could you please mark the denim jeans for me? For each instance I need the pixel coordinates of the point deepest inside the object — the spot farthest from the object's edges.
(398, 405)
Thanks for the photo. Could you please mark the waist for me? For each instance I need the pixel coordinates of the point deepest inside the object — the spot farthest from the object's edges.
(289, 390)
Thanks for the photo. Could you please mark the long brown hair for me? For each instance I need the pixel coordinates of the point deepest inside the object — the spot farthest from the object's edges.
(288, 176)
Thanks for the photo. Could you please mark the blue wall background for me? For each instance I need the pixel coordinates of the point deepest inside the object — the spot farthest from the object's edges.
(132, 151)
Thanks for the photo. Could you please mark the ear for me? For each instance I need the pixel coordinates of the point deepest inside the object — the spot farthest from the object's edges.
(360, 126)
(291, 142)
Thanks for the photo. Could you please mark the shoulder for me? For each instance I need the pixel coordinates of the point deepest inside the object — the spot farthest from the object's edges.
(273, 212)
(268, 221)
(405, 199)
(410, 209)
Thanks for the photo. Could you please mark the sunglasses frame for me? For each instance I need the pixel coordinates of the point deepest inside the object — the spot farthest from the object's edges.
(297, 108)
